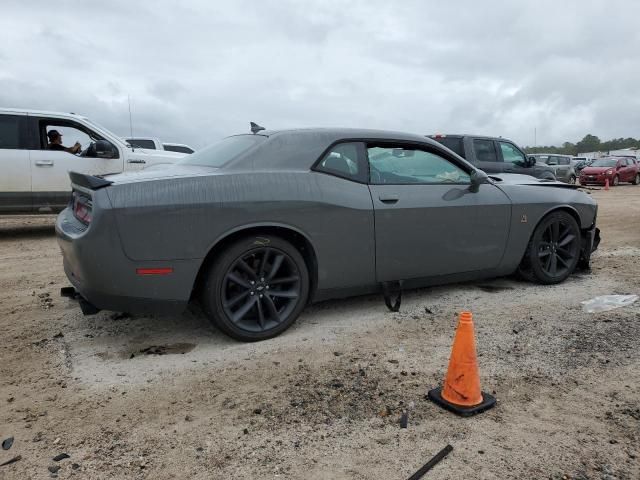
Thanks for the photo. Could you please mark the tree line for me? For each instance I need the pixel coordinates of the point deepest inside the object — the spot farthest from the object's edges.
(590, 143)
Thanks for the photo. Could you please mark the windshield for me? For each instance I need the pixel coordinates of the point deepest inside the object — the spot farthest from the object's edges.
(97, 126)
(605, 162)
(222, 152)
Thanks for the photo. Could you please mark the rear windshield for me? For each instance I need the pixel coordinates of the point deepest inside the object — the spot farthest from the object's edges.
(605, 162)
(452, 143)
(222, 152)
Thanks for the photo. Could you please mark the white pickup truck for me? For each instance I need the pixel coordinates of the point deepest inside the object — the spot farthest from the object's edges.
(34, 178)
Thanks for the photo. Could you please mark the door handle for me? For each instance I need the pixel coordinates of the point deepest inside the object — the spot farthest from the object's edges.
(389, 198)
(44, 163)
(136, 161)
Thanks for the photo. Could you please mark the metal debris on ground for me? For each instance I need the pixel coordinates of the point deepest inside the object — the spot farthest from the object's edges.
(6, 443)
(404, 420)
(13, 460)
(431, 463)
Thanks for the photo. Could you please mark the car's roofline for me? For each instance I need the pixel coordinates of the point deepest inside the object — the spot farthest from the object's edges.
(462, 135)
(351, 133)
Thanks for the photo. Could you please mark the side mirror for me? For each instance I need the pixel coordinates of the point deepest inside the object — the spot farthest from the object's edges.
(532, 161)
(478, 177)
(104, 149)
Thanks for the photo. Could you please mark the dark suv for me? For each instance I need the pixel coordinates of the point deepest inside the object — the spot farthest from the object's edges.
(494, 155)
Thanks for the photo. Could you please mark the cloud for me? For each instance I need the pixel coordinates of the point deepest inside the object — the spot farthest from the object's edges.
(199, 70)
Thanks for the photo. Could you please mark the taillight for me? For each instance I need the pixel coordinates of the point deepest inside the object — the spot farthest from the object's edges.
(82, 208)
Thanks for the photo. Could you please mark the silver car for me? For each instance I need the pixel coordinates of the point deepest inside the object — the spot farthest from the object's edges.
(562, 166)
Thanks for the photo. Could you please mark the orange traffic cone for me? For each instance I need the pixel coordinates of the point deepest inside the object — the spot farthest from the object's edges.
(606, 184)
(461, 393)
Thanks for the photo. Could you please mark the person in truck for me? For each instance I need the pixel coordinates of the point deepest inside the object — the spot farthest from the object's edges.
(55, 143)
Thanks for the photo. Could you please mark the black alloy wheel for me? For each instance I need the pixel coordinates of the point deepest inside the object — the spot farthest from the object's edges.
(553, 251)
(257, 288)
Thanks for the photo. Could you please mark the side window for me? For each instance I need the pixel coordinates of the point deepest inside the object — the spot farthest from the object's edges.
(11, 132)
(141, 143)
(70, 134)
(564, 161)
(485, 150)
(401, 166)
(511, 154)
(343, 160)
(550, 161)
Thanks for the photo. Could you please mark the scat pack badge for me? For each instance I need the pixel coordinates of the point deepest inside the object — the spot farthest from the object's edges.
(523, 219)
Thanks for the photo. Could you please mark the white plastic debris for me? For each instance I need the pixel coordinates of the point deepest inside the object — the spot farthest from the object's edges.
(604, 303)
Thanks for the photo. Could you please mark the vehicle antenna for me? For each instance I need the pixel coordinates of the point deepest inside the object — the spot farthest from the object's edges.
(130, 120)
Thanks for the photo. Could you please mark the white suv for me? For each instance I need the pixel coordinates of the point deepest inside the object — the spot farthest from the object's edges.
(34, 179)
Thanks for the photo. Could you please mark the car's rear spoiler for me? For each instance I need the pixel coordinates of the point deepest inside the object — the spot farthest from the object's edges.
(88, 181)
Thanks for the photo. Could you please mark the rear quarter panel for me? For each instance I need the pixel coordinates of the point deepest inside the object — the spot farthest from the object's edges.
(185, 218)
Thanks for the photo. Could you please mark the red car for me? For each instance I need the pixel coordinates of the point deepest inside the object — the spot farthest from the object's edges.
(615, 169)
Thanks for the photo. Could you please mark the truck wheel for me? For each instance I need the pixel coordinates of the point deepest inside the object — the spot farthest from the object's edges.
(256, 288)
(553, 251)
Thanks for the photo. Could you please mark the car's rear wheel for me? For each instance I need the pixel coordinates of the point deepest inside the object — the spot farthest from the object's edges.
(553, 251)
(616, 181)
(636, 179)
(256, 288)
(572, 179)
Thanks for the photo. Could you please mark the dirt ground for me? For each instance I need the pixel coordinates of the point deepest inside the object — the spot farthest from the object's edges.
(160, 398)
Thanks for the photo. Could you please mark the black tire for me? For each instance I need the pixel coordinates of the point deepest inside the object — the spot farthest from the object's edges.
(553, 251)
(572, 180)
(616, 181)
(256, 288)
(636, 179)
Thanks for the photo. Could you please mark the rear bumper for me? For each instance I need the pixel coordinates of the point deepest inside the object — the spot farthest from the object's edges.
(104, 277)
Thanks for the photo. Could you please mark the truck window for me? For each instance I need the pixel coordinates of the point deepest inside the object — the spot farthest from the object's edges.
(485, 150)
(452, 143)
(511, 154)
(9, 132)
(70, 133)
(177, 148)
(141, 143)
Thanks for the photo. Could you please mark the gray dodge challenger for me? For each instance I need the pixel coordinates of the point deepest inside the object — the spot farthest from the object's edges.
(257, 226)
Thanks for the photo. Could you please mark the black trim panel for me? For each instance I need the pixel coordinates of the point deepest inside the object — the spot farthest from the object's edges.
(16, 202)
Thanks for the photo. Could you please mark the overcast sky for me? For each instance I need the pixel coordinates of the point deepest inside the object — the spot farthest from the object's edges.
(200, 70)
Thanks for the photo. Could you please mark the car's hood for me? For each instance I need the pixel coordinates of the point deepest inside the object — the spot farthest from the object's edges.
(595, 170)
(517, 179)
(160, 172)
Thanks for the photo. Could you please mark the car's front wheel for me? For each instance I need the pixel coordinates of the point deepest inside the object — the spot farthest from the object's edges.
(572, 180)
(616, 181)
(553, 251)
(256, 288)
(636, 179)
